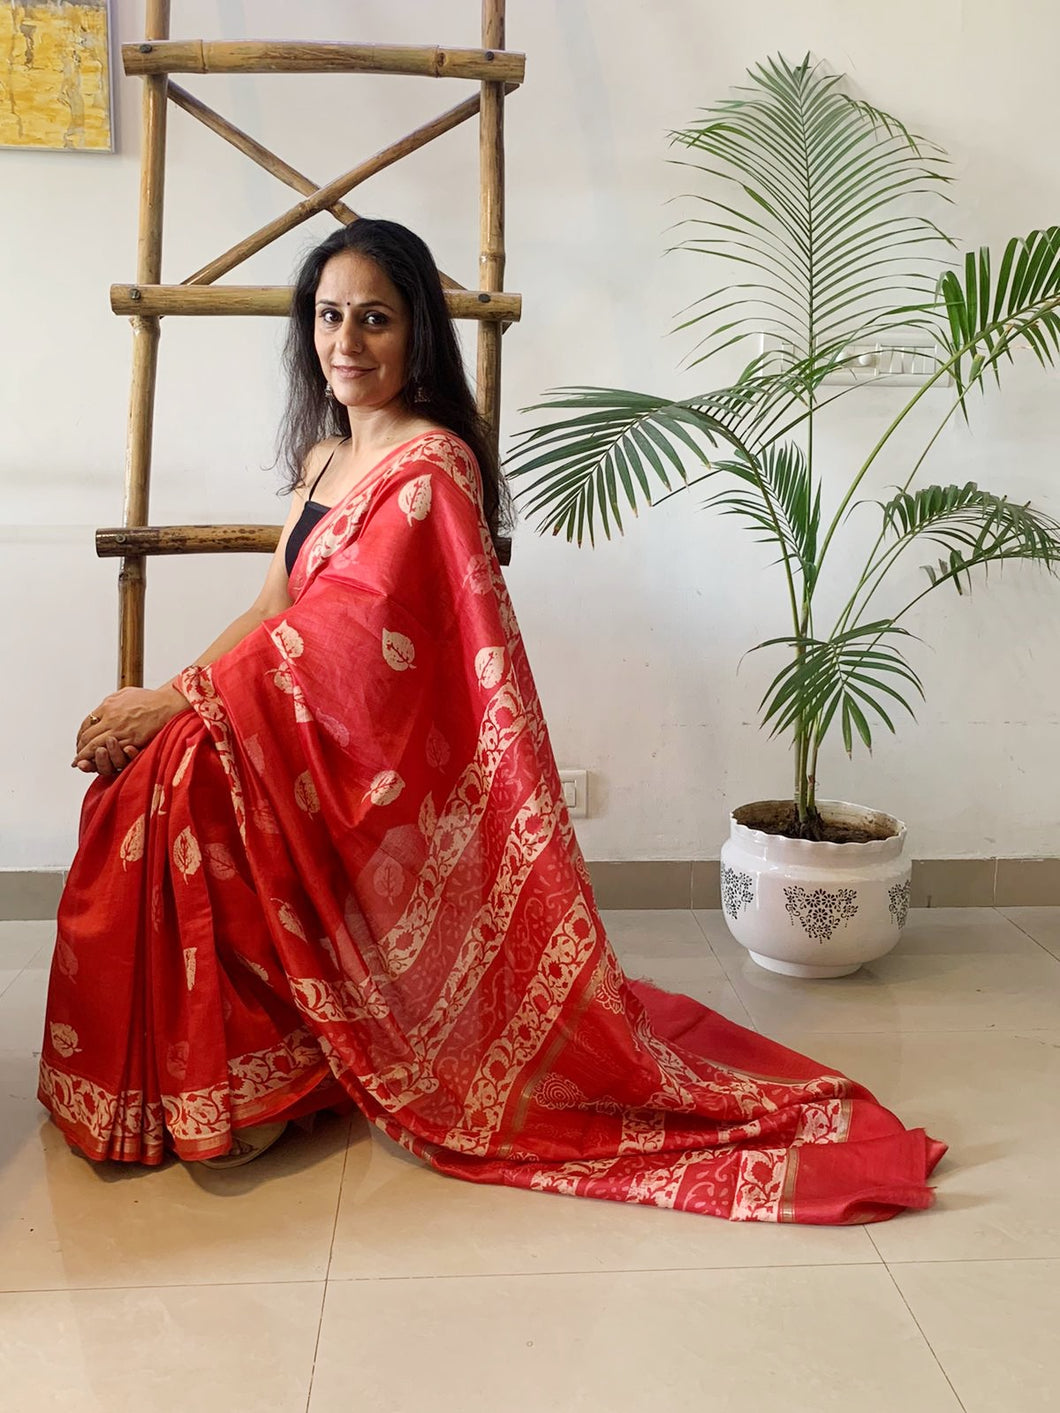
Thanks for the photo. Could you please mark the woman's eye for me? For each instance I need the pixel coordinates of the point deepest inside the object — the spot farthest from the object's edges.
(375, 321)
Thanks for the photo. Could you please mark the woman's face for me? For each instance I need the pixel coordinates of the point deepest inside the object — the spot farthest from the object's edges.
(361, 332)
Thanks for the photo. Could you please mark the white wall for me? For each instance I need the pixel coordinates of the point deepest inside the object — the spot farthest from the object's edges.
(636, 645)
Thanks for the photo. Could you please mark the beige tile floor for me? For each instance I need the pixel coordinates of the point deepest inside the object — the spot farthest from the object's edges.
(337, 1274)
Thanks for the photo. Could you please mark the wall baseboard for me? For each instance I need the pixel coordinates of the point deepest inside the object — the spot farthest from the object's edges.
(937, 883)
(696, 883)
(29, 893)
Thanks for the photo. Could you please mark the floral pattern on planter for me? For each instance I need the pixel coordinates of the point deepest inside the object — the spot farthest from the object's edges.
(898, 903)
(737, 890)
(820, 910)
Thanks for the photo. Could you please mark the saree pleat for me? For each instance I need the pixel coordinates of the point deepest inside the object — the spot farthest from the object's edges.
(347, 874)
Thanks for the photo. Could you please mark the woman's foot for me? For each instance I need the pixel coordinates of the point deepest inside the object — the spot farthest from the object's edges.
(247, 1144)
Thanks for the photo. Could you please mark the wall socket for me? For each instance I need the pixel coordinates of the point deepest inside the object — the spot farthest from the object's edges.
(575, 792)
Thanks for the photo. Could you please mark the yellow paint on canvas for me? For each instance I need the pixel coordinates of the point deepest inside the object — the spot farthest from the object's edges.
(54, 76)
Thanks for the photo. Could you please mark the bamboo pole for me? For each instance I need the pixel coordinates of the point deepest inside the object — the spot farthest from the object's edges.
(119, 540)
(132, 580)
(186, 539)
(244, 143)
(255, 56)
(260, 154)
(491, 221)
(324, 196)
(275, 300)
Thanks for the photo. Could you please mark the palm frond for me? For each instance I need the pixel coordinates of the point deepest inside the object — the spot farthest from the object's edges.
(778, 501)
(610, 456)
(855, 674)
(976, 529)
(815, 208)
(988, 316)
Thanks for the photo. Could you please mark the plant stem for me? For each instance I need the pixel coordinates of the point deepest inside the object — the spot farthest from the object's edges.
(884, 565)
(1008, 327)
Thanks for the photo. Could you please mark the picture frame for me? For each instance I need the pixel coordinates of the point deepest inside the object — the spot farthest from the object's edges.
(56, 86)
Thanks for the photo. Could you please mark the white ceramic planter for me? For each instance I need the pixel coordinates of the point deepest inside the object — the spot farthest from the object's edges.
(816, 910)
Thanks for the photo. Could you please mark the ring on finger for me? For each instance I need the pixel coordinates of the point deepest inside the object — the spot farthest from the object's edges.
(94, 720)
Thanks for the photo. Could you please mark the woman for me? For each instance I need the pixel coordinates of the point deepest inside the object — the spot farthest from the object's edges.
(337, 866)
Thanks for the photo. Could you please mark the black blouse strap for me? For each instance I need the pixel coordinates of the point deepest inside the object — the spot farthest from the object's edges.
(327, 463)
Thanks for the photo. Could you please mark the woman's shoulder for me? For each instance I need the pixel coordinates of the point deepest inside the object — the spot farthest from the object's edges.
(313, 462)
(434, 440)
(435, 450)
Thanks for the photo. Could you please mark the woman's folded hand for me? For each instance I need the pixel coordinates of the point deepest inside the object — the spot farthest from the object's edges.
(122, 724)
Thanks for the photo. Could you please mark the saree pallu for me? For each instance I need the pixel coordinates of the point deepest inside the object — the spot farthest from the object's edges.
(348, 874)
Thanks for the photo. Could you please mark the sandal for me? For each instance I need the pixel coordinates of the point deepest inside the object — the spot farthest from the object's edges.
(247, 1144)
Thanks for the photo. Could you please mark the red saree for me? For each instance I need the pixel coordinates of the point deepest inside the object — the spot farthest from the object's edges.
(348, 874)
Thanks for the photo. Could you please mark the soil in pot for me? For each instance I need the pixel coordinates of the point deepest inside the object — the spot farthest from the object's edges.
(781, 817)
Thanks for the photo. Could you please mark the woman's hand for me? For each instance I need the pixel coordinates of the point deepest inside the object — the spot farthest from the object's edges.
(122, 725)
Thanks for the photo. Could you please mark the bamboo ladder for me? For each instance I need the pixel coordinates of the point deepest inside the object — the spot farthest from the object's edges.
(148, 300)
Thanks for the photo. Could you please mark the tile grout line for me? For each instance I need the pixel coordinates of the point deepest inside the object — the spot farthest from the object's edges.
(621, 1271)
(1029, 935)
(901, 1296)
(22, 970)
(751, 1023)
(59, 1290)
(327, 1268)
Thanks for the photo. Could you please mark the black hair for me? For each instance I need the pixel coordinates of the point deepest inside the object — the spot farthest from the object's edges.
(437, 386)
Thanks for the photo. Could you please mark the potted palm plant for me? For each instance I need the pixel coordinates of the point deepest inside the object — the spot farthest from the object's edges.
(820, 208)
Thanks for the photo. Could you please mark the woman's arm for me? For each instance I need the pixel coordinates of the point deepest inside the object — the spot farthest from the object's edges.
(273, 599)
(128, 719)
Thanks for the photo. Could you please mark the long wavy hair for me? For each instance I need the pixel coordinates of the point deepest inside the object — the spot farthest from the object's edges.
(434, 368)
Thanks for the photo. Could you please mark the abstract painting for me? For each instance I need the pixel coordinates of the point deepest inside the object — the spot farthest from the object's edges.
(55, 79)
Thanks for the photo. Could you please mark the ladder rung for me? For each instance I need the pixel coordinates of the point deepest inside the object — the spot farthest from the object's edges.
(256, 56)
(131, 541)
(275, 300)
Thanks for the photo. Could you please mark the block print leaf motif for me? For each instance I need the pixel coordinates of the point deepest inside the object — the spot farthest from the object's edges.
(132, 846)
(385, 788)
(414, 498)
(66, 959)
(182, 768)
(489, 666)
(189, 966)
(289, 640)
(256, 967)
(335, 729)
(264, 819)
(428, 817)
(255, 753)
(399, 652)
(64, 1038)
(289, 918)
(479, 575)
(220, 862)
(158, 800)
(437, 749)
(187, 856)
(305, 793)
(388, 880)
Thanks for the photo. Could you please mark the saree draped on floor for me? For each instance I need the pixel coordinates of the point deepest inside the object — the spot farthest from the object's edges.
(348, 871)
